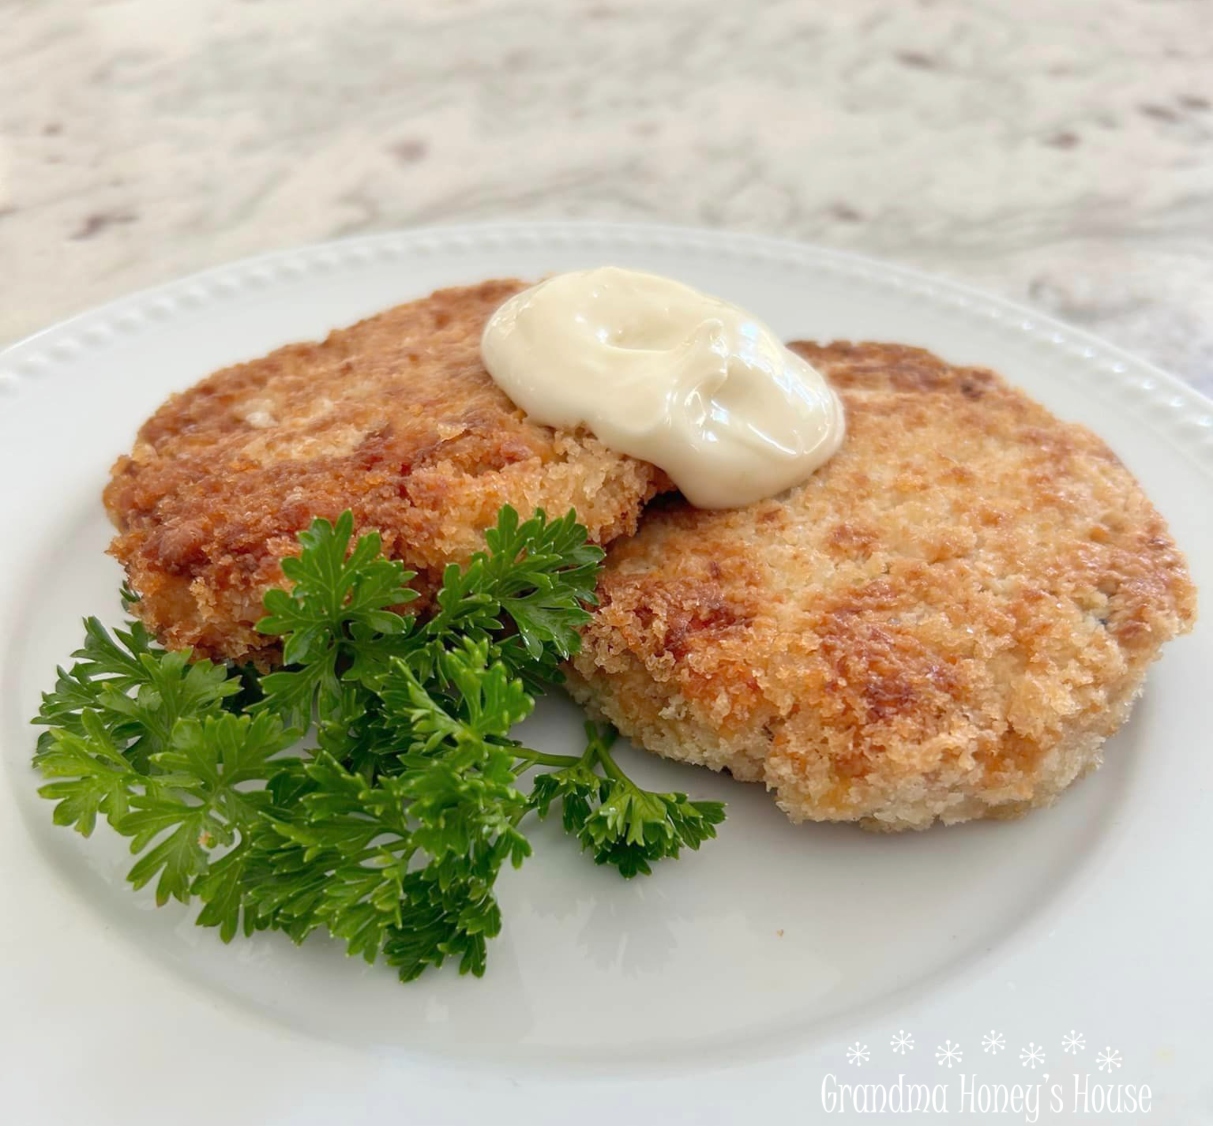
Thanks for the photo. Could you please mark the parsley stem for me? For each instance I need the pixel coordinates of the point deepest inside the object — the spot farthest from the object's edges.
(541, 758)
(609, 766)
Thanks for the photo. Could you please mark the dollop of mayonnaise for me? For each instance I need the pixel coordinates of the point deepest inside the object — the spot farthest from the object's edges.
(669, 375)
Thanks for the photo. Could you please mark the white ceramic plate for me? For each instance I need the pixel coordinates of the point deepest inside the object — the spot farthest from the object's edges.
(756, 976)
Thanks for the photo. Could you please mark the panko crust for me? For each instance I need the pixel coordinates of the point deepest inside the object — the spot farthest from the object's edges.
(944, 623)
(394, 418)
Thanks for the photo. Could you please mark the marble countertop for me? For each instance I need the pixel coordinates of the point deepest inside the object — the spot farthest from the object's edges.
(1058, 152)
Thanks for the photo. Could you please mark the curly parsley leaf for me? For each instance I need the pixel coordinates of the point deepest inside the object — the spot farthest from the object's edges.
(136, 690)
(337, 594)
(187, 807)
(90, 774)
(408, 864)
(620, 823)
(538, 577)
(339, 604)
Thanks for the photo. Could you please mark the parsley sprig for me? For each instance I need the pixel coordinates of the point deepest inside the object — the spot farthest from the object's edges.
(389, 827)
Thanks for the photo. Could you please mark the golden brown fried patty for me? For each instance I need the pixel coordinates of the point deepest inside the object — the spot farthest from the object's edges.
(945, 622)
(394, 418)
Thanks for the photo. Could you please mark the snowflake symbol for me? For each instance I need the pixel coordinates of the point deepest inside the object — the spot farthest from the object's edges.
(948, 1053)
(858, 1054)
(993, 1043)
(1032, 1055)
(901, 1043)
(1108, 1059)
(1074, 1043)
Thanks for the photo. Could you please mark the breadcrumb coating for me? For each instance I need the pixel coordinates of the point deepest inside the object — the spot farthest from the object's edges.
(394, 418)
(944, 623)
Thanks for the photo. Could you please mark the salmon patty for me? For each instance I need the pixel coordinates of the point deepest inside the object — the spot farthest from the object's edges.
(944, 623)
(394, 418)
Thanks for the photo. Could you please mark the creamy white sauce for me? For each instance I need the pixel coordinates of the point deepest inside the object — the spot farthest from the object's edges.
(660, 371)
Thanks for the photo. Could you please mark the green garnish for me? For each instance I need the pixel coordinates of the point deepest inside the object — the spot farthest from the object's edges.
(389, 827)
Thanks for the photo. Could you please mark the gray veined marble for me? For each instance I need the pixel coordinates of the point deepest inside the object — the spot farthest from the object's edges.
(1059, 152)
